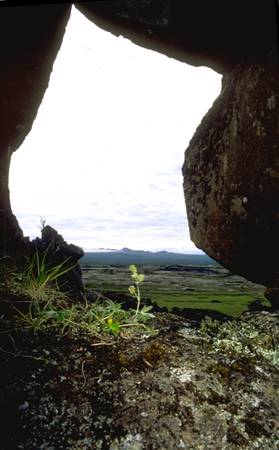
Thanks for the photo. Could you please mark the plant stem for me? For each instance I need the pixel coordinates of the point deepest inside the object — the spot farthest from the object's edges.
(138, 299)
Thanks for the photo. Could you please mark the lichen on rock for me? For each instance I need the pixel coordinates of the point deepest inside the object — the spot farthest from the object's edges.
(231, 175)
(164, 391)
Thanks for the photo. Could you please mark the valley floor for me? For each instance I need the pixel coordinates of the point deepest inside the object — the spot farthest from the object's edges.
(202, 287)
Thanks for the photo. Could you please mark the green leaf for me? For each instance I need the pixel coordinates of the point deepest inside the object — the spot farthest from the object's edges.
(114, 327)
(145, 309)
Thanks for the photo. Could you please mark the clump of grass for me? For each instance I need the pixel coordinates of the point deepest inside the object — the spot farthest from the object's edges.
(39, 279)
(52, 310)
(69, 318)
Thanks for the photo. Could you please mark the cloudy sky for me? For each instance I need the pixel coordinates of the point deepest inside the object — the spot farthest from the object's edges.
(103, 161)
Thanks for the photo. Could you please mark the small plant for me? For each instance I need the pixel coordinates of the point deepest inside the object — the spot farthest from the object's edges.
(70, 319)
(52, 310)
(134, 289)
(38, 280)
(144, 313)
(114, 326)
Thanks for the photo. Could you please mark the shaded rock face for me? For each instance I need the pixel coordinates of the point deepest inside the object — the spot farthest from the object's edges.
(31, 37)
(196, 32)
(231, 175)
(240, 203)
(57, 251)
(11, 236)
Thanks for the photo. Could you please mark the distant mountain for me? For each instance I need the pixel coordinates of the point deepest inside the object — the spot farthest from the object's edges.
(126, 256)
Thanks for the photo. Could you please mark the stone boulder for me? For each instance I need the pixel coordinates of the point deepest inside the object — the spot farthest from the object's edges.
(57, 251)
(12, 243)
(231, 171)
(31, 36)
(231, 175)
(218, 34)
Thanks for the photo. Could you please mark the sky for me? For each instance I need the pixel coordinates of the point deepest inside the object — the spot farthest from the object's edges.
(102, 163)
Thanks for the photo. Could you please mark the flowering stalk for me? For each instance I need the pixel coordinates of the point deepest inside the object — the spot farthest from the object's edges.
(134, 290)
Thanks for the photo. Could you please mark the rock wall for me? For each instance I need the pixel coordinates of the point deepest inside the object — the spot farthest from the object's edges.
(216, 33)
(231, 168)
(55, 251)
(30, 38)
(231, 175)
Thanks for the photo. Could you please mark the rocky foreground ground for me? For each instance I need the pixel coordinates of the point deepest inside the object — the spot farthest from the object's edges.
(180, 386)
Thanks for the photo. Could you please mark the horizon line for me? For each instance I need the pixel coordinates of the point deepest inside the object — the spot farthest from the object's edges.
(169, 250)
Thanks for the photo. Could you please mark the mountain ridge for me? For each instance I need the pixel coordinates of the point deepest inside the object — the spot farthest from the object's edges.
(127, 256)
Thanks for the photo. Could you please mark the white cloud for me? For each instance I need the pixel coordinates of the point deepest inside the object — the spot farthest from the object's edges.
(103, 160)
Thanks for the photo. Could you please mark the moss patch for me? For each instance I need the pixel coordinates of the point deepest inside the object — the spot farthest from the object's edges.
(174, 389)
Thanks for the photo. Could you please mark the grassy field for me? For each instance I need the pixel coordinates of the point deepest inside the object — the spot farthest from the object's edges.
(210, 287)
(231, 304)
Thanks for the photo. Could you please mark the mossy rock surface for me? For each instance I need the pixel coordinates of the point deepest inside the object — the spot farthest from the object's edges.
(172, 390)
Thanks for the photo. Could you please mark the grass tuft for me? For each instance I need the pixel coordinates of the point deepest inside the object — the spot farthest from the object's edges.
(52, 310)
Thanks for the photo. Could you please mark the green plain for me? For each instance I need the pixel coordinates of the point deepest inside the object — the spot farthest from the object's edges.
(215, 289)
